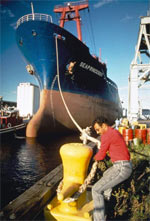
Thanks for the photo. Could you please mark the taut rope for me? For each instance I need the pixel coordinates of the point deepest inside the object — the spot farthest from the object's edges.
(85, 136)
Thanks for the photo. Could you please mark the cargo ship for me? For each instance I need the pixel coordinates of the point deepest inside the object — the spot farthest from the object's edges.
(61, 62)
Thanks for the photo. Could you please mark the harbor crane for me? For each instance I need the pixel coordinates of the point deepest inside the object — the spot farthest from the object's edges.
(139, 69)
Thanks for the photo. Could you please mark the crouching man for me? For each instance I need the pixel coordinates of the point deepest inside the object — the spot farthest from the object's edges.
(112, 142)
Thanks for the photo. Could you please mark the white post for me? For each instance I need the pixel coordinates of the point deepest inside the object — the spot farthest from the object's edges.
(133, 103)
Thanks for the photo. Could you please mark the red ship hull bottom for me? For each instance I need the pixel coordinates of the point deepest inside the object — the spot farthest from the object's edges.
(52, 117)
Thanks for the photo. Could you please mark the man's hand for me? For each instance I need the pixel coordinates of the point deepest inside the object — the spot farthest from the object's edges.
(85, 135)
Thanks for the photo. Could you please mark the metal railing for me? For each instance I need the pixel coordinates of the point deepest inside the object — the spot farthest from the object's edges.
(34, 17)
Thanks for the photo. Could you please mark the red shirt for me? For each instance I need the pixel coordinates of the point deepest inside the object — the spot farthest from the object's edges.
(113, 142)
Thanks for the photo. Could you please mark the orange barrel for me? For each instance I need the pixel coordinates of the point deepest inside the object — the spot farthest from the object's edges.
(128, 135)
(141, 134)
(148, 135)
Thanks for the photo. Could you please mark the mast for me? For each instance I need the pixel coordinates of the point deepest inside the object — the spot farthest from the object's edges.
(33, 15)
(70, 12)
(32, 8)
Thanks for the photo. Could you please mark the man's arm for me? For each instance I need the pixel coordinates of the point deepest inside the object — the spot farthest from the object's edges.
(103, 150)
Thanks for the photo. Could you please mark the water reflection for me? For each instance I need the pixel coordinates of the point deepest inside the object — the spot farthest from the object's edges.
(23, 162)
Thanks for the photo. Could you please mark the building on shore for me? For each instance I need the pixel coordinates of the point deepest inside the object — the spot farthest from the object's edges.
(28, 97)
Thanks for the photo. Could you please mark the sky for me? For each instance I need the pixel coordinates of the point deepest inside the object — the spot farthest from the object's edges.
(110, 29)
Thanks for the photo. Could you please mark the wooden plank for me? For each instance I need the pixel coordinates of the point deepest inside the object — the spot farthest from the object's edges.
(29, 204)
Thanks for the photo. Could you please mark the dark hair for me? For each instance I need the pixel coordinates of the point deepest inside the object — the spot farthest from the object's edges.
(100, 121)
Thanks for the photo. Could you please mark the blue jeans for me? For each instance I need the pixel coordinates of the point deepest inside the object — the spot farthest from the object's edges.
(120, 171)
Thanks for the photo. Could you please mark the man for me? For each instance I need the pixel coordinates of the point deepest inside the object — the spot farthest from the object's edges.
(112, 142)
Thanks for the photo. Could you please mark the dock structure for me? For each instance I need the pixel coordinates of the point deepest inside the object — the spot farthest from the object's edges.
(139, 68)
(29, 204)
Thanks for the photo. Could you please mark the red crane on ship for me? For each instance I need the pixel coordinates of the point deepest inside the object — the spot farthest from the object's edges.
(70, 12)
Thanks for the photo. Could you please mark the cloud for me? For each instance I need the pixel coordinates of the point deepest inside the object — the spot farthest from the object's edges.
(146, 86)
(103, 2)
(126, 18)
(143, 93)
(144, 101)
(123, 88)
(13, 25)
(9, 16)
(123, 94)
(7, 13)
(13, 92)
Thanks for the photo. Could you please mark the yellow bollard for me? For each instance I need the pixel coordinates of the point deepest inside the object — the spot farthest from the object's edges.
(75, 159)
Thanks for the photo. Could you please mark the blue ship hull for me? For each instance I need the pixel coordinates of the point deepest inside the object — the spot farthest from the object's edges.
(87, 83)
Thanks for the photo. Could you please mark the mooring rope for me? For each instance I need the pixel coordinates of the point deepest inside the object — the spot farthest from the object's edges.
(82, 188)
(84, 136)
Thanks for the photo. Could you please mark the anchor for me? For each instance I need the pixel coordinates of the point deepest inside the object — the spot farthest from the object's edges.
(63, 207)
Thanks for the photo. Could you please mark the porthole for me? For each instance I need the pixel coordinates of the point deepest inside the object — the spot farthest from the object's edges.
(34, 33)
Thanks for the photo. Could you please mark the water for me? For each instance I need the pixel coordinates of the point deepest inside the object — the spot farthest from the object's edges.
(25, 161)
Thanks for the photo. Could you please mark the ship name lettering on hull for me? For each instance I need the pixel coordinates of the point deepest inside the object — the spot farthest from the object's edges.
(90, 68)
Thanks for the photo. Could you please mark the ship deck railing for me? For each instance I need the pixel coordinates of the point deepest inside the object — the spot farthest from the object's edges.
(34, 17)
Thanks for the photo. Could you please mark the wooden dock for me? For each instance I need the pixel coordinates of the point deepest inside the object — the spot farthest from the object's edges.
(29, 204)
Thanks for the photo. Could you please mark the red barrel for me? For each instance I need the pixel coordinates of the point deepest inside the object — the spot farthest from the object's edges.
(141, 134)
(128, 135)
(148, 135)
